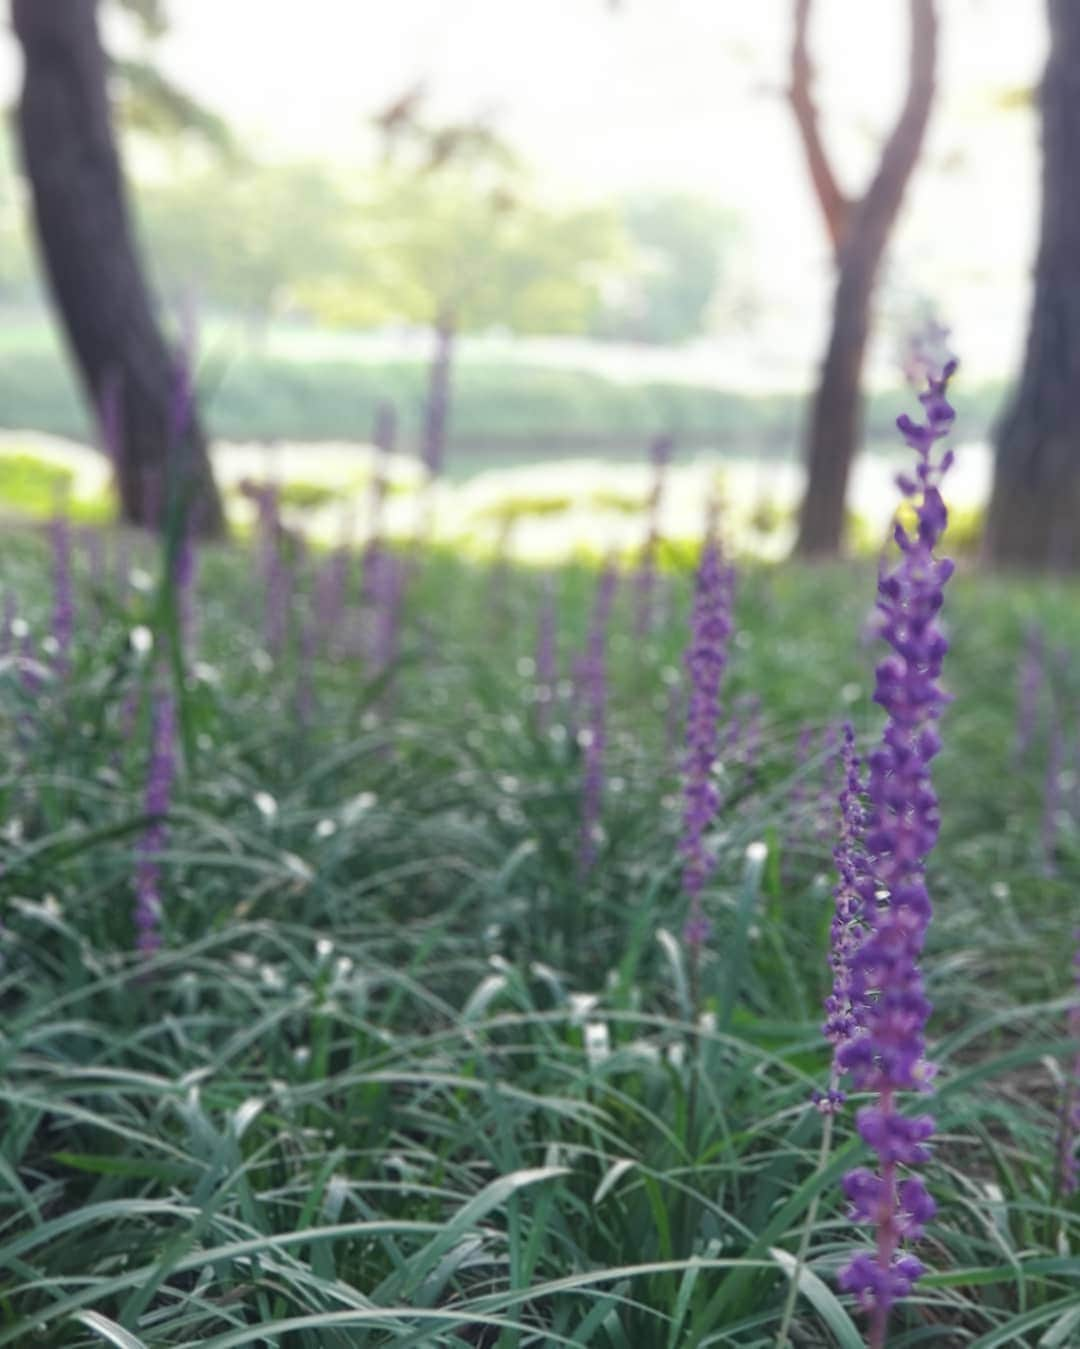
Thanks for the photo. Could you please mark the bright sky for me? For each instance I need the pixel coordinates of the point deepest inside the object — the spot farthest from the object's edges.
(674, 93)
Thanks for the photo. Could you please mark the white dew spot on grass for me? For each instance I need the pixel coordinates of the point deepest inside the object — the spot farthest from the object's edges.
(357, 806)
(266, 805)
(597, 1042)
(141, 640)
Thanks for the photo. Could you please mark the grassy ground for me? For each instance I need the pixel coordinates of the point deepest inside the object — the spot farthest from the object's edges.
(401, 1075)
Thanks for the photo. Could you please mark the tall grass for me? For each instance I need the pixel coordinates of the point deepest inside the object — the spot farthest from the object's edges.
(401, 1075)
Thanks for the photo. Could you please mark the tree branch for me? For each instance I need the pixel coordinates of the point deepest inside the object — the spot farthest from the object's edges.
(882, 199)
(835, 207)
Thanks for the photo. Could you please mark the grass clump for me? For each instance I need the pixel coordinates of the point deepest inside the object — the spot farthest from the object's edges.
(400, 1074)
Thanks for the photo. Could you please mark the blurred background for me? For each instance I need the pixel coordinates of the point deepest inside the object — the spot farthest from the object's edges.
(525, 240)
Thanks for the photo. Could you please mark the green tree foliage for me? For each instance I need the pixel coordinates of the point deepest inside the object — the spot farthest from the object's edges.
(249, 240)
(395, 245)
(440, 244)
(681, 243)
(146, 100)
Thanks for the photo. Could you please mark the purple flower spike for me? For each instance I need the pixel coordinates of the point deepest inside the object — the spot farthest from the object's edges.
(547, 656)
(645, 580)
(159, 780)
(881, 1008)
(854, 892)
(185, 581)
(592, 690)
(63, 614)
(706, 660)
(1030, 692)
(276, 574)
(7, 623)
(1052, 794)
(388, 584)
(305, 672)
(331, 594)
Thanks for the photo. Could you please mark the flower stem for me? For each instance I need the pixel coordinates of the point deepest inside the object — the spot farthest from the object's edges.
(782, 1340)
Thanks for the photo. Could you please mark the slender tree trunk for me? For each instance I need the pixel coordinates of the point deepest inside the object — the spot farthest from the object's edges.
(89, 254)
(859, 232)
(437, 405)
(1034, 516)
(836, 415)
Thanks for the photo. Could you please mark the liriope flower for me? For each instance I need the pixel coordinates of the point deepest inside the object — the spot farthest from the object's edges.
(853, 894)
(645, 578)
(1029, 692)
(886, 1054)
(63, 612)
(547, 655)
(705, 659)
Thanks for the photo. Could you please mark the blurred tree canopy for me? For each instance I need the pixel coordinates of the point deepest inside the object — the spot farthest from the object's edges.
(244, 239)
(394, 245)
(145, 99)
(681, 243)
(400, 244)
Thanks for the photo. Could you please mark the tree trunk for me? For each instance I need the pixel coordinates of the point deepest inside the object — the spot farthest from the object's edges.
(836, 414)
(437, 405)
(89, 254)
(1034, 515)
(860, 233)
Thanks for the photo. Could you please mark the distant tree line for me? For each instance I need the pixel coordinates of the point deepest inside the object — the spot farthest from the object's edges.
(458, 240)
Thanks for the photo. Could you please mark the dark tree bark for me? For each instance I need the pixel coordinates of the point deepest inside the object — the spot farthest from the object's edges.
(1034, 516)
(89, 254)
(859, 232)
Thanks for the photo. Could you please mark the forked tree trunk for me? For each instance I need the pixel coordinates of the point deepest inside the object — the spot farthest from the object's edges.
(89, 254)
(859, 232)
(1034, 516)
